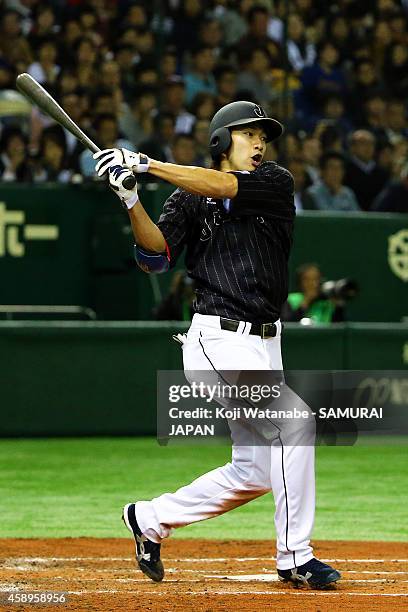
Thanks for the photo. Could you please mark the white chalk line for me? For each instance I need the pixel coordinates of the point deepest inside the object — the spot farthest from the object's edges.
(171, 570)
(243, 592)
(189, 560)
(236, 578)
(296, 592)
(174, 570)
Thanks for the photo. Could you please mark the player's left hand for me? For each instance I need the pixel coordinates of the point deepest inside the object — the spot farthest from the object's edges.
(137, 162)
(128, 197)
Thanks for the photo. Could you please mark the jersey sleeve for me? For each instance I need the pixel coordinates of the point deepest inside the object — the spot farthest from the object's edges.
(268, 190)
(174, 222)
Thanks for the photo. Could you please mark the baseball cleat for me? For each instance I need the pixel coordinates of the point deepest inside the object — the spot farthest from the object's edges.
(314, 573)
(147, 552)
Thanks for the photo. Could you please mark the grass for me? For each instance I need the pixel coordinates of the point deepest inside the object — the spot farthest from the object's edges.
(77, 487)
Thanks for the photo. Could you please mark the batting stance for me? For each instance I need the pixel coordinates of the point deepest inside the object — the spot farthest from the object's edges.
(236, 222)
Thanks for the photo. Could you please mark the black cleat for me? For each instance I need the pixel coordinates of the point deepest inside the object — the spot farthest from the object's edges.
(314, 573)
(147, 552)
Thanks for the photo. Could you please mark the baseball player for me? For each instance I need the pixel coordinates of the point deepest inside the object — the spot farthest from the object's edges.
(236, 222)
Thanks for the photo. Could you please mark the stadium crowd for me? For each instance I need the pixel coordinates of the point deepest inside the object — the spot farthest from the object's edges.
(151, 81)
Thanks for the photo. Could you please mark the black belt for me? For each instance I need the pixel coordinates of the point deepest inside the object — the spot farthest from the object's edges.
(265, 330)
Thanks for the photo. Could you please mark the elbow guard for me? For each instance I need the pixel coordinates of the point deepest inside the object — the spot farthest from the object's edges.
(151, 262)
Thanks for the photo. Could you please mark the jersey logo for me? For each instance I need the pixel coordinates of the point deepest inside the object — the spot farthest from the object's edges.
(206, 232)
(213, 219)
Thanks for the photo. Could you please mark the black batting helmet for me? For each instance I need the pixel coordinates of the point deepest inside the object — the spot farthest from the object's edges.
(239, 113)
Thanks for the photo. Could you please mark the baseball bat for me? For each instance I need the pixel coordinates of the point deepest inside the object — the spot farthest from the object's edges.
(32, 90)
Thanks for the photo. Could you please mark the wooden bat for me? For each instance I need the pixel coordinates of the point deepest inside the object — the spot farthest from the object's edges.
(32, 90)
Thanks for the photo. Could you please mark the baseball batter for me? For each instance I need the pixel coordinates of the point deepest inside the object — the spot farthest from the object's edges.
(236, 222)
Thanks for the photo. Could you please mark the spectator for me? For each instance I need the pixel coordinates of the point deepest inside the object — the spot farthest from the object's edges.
(52, 164)
(128, 35)
(86, 56)
(308, 11)
(363, 175)
(226, 79)
(136, 16)
(7, 76)
(106, 130)
(45, 69)
(233, 20)
(331, 194)
(69, 39)
(200, 78)
(210, 35)
(174, 95)
(339, 33)
(203, 106)
(397, 124)
(398, 26)
(44, 26)
(366, 84)
(311, 153)
(90, 25)
(309, 301)
(168, 64)
(187, 20)
(103, 101)
(13, 45)
(375, 119)
(67, 81)
(296, 167)
(109, 78)
(396, 70)
(301, 52)
(200, 134)
(256, 76)
(72, 102)
(334, 115)
(137, 120)
(320, 80)
(384, 156)
(289, 147)
(330, 137)
(14, 165)
(381, 40)
(394, 198)
(145, 43)
(158, 146)
(183, 149)
(257, 35)
(125, 58)
(145, 73)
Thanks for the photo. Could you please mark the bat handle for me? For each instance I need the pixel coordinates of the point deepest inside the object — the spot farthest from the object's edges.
(129, 182)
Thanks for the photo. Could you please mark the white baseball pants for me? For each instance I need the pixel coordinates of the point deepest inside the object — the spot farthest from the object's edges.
(285, 469)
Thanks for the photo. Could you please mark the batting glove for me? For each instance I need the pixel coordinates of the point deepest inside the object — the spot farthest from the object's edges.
(120, 157)
(128, 197)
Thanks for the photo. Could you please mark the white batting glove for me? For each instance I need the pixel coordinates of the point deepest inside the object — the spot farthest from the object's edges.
(128, 197)
(120, 157)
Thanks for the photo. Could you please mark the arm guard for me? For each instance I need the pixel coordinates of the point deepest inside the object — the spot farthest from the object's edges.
(151, 262)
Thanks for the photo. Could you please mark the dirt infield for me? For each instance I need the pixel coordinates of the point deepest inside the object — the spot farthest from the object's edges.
(201, 575)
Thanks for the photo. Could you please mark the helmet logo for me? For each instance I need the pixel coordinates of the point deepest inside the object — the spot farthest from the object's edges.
(259, 111)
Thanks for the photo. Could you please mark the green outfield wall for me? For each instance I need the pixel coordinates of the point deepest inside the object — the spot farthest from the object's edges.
(99, 378)
(71, 245)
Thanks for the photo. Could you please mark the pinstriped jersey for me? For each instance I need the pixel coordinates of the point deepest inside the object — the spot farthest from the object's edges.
(236, 250)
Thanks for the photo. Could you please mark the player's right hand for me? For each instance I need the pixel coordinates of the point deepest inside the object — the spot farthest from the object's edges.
(137, 162)
(128, 197)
